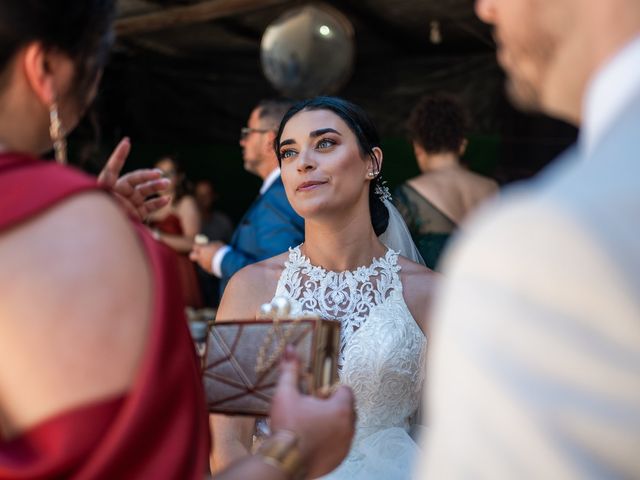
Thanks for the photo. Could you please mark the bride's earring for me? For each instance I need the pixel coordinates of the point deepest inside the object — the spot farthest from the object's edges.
(372, 174)
(57, 134)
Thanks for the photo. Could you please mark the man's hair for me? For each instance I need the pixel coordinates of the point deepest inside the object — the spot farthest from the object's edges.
(271, 112)
(438, 123)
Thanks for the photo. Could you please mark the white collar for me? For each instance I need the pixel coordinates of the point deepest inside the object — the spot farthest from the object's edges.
(272, 177)
(609, 92)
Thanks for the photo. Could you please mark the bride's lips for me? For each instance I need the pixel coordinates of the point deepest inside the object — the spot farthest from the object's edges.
(310, 185)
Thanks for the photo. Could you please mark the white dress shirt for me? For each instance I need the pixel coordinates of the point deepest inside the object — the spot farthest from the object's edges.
(534, 367)
(216, 262)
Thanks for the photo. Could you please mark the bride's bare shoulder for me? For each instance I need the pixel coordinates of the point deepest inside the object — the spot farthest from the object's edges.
(418, 286)
(250, 287)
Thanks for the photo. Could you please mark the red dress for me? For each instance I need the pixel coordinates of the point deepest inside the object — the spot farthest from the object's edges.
(187, 276)
(159, 428)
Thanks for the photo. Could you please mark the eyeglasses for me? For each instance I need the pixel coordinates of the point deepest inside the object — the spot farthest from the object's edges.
(246, 131)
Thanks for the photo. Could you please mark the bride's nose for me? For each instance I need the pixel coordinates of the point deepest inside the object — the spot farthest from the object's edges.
(306, 162)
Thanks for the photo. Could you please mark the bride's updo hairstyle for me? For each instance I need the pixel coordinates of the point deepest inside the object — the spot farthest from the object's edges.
(80, 29)
(361, 125)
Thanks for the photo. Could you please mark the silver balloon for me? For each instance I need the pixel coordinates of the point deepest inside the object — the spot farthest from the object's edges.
(308, 51)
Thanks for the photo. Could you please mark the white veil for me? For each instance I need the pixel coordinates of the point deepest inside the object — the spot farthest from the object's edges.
(397, 236)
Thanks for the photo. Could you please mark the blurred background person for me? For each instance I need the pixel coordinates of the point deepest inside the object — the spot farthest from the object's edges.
(437, 201)
(217, 226)
(270, 226)
(177, 224)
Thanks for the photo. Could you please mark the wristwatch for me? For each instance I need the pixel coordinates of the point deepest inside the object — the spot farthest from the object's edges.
(281, 451)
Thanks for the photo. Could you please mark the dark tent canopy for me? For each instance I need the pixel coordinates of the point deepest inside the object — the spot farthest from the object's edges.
(185, 74)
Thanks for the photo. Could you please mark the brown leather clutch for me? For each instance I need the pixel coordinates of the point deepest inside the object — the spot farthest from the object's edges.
(240, 361)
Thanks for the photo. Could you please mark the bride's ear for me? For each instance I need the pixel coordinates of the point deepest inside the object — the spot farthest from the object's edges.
(376, 165)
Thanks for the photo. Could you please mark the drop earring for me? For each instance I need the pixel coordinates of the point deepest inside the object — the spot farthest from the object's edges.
(57, 135)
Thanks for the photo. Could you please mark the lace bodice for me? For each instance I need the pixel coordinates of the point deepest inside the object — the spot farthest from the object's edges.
(382, 347)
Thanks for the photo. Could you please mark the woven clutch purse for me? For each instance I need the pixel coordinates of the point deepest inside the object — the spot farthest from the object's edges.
(240, 361)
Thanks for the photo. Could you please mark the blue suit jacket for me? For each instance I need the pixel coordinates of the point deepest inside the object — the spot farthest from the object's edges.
(269, 228)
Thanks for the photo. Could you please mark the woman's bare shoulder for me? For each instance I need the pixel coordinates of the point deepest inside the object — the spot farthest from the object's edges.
(82, 264)
(250, 287)
(418, 285)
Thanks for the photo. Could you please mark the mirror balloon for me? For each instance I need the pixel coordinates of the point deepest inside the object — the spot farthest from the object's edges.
(308, 51)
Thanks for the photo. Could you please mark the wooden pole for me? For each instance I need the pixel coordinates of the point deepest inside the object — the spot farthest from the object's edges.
(187, 15)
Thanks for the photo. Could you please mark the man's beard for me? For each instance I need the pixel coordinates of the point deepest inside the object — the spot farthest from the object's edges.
(523, 95)
(525, 67)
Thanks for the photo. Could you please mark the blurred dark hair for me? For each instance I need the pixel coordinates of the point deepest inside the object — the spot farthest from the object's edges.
(272, 111)
(80, 29)
(368, 138)
(183, 185)
(438, 123)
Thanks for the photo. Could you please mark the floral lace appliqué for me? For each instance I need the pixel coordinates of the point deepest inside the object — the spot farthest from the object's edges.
(346, 296)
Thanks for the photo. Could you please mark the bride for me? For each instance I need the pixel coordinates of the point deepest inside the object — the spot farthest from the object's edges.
(330, 160)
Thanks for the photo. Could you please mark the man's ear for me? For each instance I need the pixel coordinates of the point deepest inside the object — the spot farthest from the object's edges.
(269, 139)
(37, 69)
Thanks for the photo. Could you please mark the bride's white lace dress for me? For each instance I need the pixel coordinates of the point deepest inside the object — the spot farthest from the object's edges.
(381, 356)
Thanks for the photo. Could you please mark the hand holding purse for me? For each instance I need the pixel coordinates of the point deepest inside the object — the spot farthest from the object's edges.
(240, 358)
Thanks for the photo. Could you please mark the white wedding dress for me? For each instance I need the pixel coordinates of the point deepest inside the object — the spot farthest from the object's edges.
(381, 357)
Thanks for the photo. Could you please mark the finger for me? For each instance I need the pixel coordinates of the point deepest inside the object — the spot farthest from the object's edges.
(343, 392)
(152, 187)
(127, 205)
(343, 398)
(114, 165)
(142, 175)
(289, 371)
(327, 390)
(154, 204)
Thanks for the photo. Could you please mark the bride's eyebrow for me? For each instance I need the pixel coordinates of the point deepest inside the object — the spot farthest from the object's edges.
(313, 134)
(289, 141)
(322, 131)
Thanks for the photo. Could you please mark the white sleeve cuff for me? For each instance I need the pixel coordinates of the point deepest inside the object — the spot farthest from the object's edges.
(216, 262)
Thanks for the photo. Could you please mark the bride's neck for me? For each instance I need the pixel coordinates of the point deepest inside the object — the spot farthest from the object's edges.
(350, 244)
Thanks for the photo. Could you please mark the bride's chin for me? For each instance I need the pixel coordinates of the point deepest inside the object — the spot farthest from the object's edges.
(313, 210)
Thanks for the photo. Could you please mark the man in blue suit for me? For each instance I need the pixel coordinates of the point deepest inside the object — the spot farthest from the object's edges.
(270, 226)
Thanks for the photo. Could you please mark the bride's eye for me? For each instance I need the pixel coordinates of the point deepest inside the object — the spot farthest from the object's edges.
(325, 143)
(287, 153)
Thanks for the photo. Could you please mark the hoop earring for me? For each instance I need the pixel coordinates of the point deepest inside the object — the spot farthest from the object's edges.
(57, 135)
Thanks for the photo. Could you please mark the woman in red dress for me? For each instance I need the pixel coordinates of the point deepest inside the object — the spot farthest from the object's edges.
(98, 374)
(176, 225)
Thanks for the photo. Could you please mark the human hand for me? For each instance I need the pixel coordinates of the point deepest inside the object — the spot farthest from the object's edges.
(134, 188)
(203, 254)
(324, 427)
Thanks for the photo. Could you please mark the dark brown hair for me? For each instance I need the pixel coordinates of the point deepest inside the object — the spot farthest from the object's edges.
(368, 138)
(438, 123)
(80, 29)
